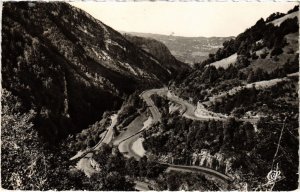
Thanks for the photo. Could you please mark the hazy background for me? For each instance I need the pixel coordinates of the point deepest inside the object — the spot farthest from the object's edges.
(182, 18)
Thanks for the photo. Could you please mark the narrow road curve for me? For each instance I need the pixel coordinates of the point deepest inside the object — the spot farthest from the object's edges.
(85, 157)
(106, 138)
(146, 95)
(199, 169)
(222, 179)
(125, 144)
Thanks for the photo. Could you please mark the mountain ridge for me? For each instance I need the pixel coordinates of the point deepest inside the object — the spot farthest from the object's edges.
(63, 63)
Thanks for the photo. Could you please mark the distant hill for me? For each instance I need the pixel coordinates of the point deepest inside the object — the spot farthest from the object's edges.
(187, 49)
(160, 52)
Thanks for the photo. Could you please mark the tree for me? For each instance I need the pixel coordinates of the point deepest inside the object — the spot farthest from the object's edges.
(154, 169)
(229, 127)
(251, 77)
(276, 51)
(26, 162)
(274, 16)
(111, 181)
(142, 166)
(296, 8)
(290, 25)
(250, 133)
(254, 56)
(238, 112)
(115, 162)
(241, 75)
(103, 154)
(22, 163)
(242, 62)
(132, 167)
(172, 181)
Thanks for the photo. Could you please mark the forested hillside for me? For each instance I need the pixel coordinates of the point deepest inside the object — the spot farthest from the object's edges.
(259, 84)
(70, 67)
(262, 52)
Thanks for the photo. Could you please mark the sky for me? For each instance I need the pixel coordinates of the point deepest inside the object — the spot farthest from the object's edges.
(191, 19)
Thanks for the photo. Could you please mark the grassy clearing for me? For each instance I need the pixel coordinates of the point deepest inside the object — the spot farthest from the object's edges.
(278, 21)
(258, 85)
(225, 62)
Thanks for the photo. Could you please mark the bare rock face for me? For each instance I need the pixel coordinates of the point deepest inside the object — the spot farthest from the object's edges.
(216, 161)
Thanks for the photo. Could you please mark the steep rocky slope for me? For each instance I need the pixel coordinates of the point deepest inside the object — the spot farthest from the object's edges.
(159, 51)
(68, 66)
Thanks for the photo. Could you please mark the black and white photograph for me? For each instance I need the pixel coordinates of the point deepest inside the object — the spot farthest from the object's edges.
(150, 95)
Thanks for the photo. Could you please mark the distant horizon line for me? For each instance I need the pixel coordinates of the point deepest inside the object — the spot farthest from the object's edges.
(132, 32)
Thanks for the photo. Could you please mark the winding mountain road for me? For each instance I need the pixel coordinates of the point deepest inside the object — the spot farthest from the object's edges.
(126, 145)
(126, 140)
(189, 112)
(189, 109)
